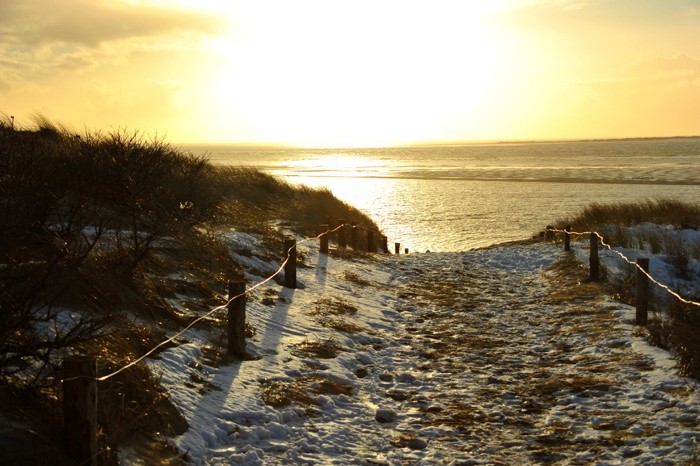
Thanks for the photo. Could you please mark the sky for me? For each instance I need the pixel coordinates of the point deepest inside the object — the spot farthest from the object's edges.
(337, 73)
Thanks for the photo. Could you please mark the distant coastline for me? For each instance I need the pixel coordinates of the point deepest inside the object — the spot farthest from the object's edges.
(281, 146)
(630, 139)
(549, 141)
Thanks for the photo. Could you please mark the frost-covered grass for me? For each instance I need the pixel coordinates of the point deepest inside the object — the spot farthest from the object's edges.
(666, 232)
(680, 214)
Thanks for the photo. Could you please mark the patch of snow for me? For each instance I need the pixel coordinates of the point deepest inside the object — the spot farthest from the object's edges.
(526, 382)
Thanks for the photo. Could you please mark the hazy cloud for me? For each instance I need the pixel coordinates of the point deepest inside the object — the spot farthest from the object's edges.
(39, 38)
(563, 4)
(558, 4)
(678, 67)
(90, 23)
(657, 73)
(651, 96)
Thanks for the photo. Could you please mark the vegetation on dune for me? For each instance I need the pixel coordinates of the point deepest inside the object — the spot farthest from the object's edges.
(99, 231)
(673, 324)
(94, 230)
(660, 211)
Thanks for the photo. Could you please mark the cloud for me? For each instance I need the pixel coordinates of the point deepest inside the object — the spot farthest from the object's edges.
(563, 4)
(89, 24)
(152, 98)
(651, 96)
(41, 39)
(657, 68)
(652, 74)
(540, 4)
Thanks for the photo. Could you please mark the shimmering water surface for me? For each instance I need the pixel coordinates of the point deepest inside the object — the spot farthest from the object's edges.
(454, 198)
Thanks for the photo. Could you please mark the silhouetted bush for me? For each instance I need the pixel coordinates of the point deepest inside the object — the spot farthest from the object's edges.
(80, 215)
(97, 229)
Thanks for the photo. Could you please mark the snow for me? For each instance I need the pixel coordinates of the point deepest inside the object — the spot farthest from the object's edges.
(444, 358)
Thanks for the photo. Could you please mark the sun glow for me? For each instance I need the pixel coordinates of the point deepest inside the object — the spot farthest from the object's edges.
(355, 73)
(324, 74)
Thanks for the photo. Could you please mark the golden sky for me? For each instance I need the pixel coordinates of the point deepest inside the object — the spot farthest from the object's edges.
(354, 73)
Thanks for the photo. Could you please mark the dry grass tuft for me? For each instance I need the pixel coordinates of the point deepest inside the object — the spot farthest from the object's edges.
(569, 282)
(343, 325)
(683, 330)
(321, 349)
(215, 355)
(286, 393)
(356, 279)
(301, 391)
(333, 306)
(573, 384)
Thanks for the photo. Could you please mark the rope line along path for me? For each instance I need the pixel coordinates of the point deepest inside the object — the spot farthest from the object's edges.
(214, 310)
(629, 261)
(328, 231)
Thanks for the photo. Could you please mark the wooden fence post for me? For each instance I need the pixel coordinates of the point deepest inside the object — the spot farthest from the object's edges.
(567, 239)
(642, 292)
(405, 251)
(324, 239)
(385, 244)
(594, 261)
(290, 268)
(397, 248)
(341, 233)
(236, 318)
(370, 241)
(80, 408)
(353, 235)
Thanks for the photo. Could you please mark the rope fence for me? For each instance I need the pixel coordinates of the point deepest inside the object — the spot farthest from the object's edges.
(636, 264)
(230, 300)
(79, 372)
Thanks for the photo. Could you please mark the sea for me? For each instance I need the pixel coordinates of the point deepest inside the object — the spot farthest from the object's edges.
(468, 196)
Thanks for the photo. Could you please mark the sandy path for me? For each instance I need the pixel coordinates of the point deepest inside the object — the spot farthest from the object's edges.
(523, 362)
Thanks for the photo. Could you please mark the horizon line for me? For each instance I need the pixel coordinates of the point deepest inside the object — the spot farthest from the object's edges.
(472, 142)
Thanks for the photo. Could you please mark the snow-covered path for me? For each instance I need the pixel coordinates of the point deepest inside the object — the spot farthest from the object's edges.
(528, 365)
(484, 357)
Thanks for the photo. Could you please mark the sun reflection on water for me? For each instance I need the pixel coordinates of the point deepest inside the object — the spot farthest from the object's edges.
(338, 165)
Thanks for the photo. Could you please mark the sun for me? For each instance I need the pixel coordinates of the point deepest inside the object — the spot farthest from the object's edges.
(324, 74)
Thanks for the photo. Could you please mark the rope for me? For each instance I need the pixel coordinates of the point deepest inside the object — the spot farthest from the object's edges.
(629, 261)
(286, 260)
(216, 309)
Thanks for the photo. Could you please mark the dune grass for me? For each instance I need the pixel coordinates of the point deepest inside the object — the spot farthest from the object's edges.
(614, 222)
(110, 226)
(658, 227)
(660, 211)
